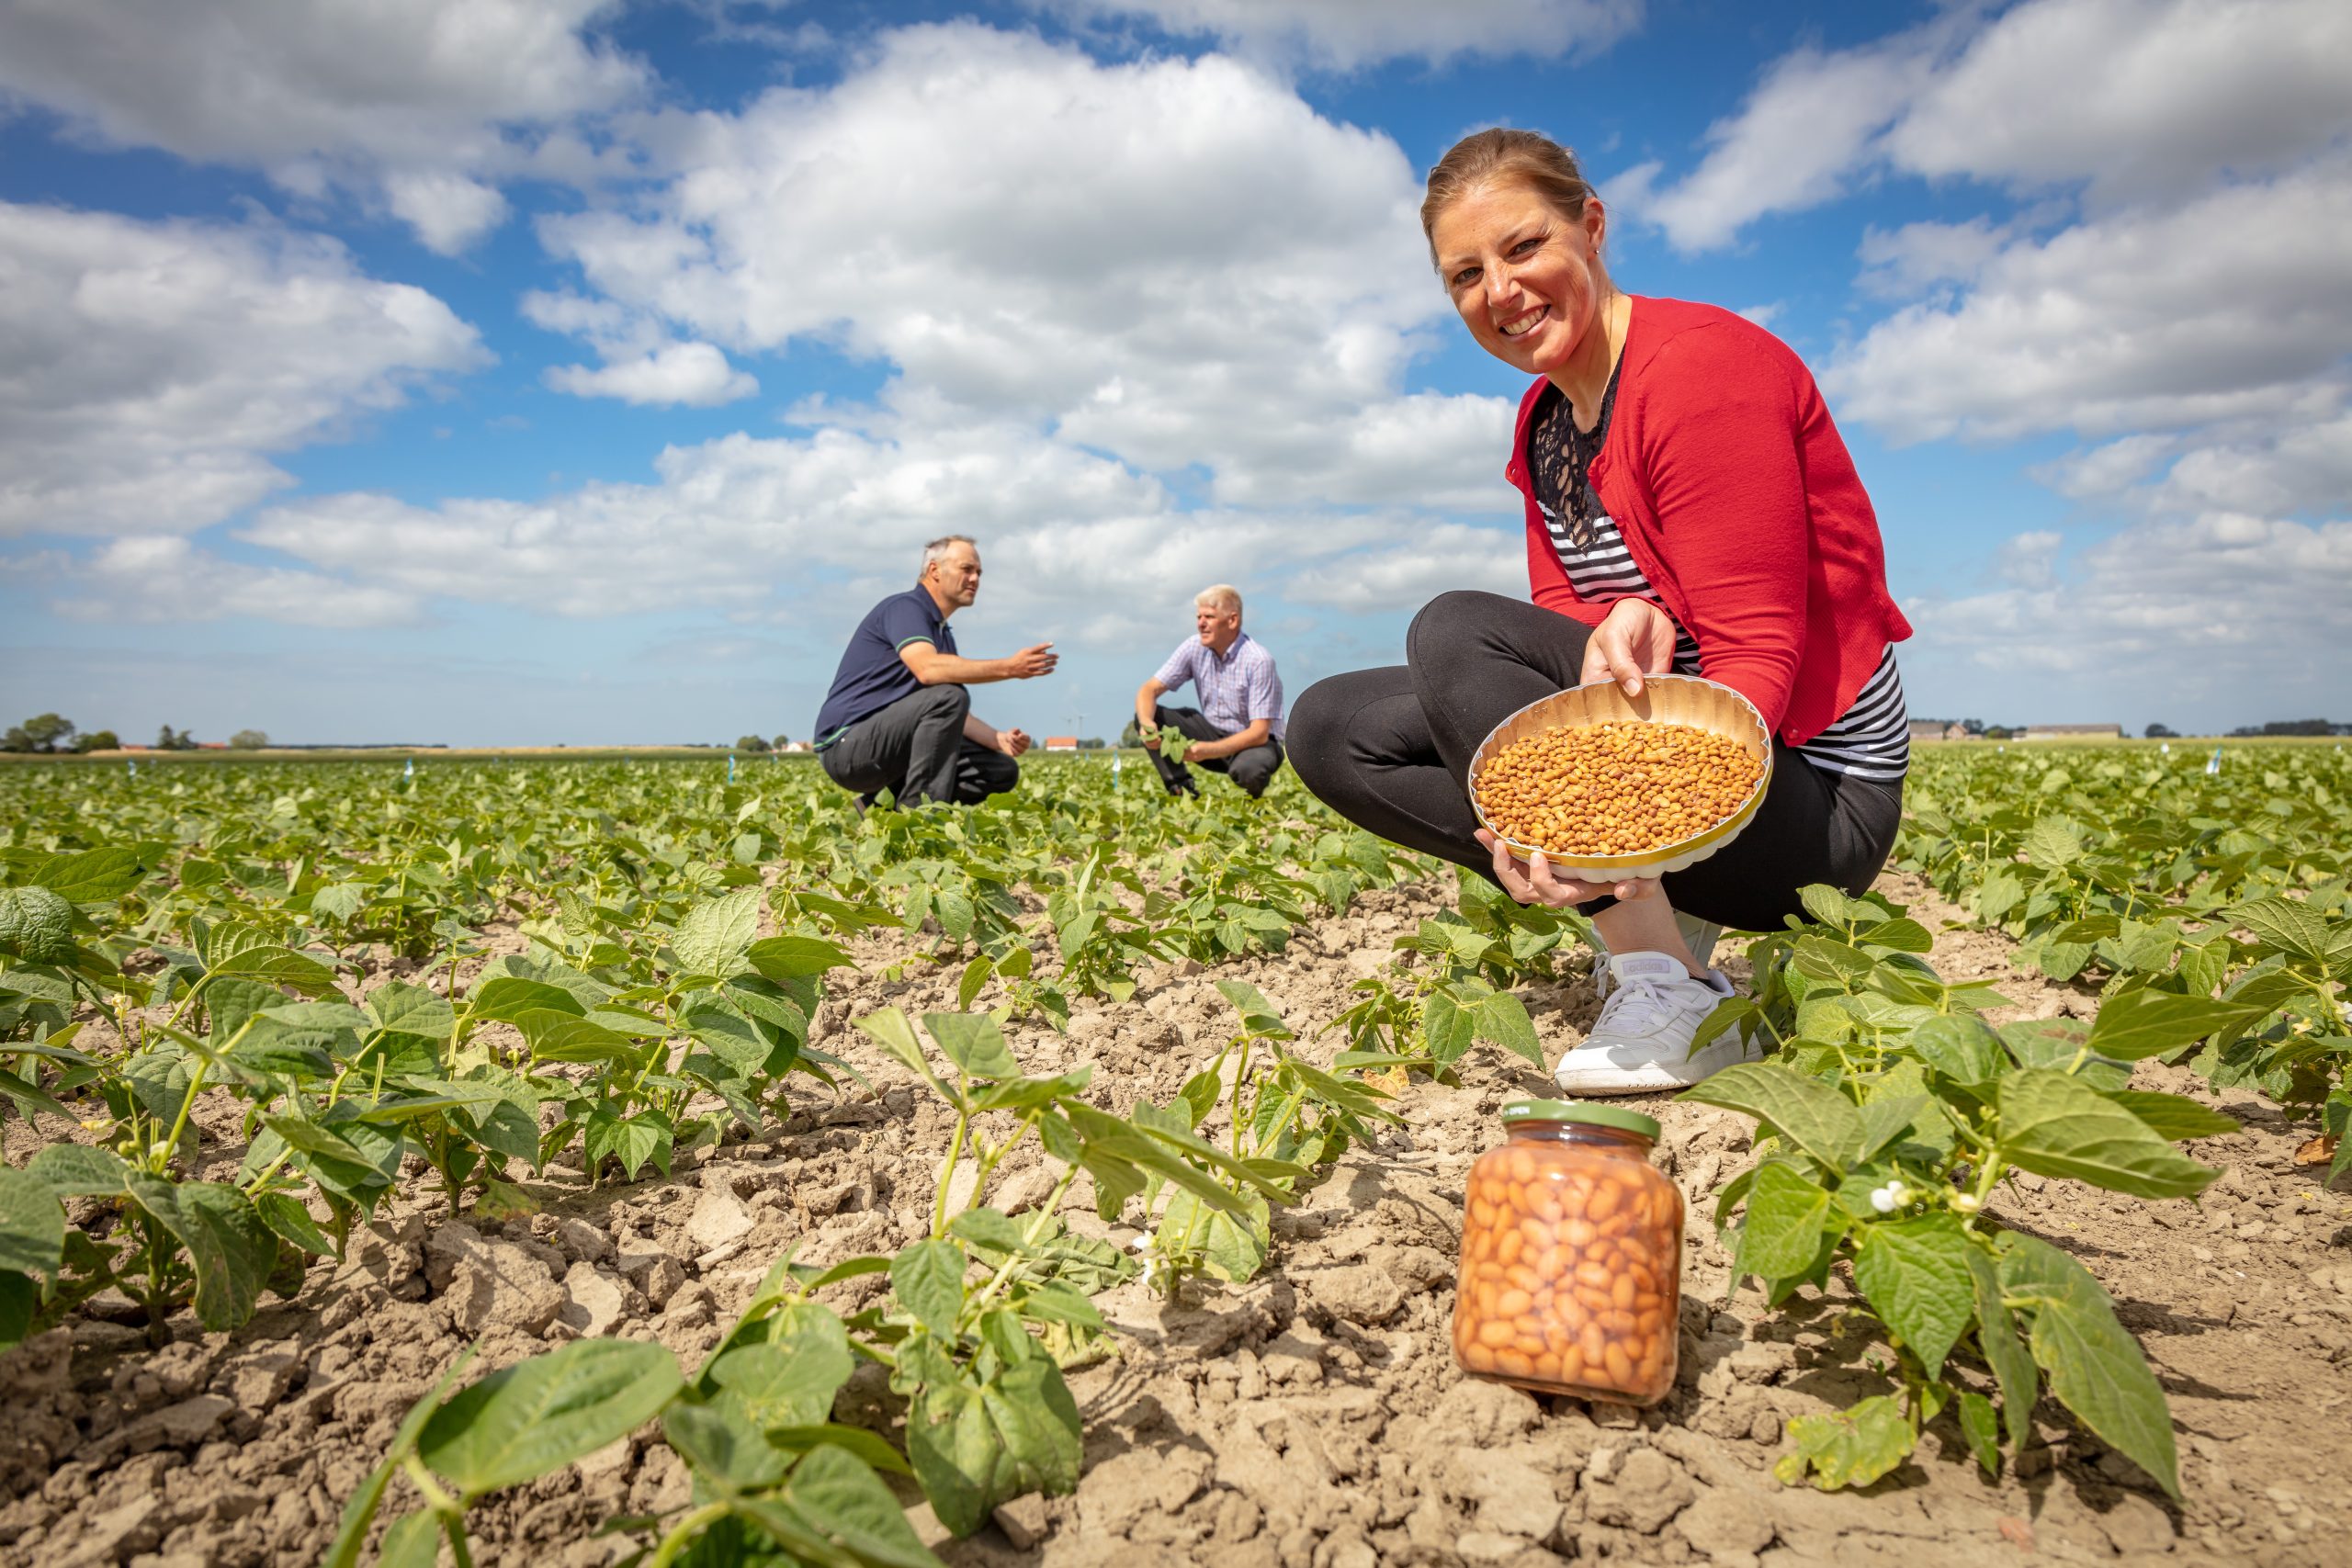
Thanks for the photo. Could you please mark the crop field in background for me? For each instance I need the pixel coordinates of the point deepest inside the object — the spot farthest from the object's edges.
(600, 1161)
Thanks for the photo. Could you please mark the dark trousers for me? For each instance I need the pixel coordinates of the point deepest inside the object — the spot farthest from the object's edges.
(1253, 768)
(1390, 751)
(916, 748)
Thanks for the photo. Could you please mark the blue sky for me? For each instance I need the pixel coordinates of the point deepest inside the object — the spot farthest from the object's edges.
(529, 371)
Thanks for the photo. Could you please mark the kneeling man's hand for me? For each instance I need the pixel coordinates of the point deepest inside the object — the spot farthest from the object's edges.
(1012, 742)
(1151, 739)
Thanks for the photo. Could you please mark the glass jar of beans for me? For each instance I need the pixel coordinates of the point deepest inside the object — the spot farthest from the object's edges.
(1571, 1271)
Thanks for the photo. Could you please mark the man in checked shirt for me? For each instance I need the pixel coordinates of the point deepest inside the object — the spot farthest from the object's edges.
(1238, 728)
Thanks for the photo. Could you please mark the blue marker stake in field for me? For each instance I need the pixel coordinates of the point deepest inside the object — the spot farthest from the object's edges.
(730, 767)
(409, 772)
(2213, 763)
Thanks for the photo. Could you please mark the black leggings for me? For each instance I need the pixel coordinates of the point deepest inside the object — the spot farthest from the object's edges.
(1389, 750)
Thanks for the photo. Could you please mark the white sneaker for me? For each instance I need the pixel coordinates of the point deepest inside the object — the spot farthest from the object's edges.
(1700, 936)
(1641, 1042)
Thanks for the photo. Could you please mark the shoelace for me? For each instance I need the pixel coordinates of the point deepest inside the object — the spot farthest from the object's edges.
(1636, 1005)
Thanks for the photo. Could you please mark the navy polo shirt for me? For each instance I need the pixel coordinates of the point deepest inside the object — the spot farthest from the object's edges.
(872, 676)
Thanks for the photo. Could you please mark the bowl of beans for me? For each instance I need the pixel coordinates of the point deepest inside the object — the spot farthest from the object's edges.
(1608, 786)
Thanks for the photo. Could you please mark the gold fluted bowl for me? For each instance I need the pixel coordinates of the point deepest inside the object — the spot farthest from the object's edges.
(1665, 699)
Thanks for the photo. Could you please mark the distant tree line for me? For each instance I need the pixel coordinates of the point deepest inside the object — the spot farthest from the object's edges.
(54, 735)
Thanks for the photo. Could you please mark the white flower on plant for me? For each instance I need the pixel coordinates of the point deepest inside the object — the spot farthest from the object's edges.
(1888, 1198)
(1966, 1203)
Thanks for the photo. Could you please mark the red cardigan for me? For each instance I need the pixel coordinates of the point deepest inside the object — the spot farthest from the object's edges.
(1738, 501)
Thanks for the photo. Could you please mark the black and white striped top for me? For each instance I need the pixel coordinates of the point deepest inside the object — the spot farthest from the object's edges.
(1872, 740)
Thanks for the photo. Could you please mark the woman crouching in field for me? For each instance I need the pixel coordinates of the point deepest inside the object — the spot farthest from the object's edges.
(1689, 507)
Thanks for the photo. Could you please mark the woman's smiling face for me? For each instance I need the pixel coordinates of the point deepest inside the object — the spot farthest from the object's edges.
(1525, 277)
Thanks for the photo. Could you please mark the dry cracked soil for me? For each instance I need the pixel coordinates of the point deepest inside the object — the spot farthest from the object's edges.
(1312, 1420)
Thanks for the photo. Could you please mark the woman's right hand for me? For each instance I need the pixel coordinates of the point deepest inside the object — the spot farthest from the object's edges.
(1636, 639)
(1531, 881)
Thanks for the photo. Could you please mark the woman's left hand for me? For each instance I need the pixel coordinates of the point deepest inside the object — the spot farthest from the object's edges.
(1636, 639)
(1531, 882)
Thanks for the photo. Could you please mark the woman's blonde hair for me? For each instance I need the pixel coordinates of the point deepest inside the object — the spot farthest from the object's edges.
(1526, 158)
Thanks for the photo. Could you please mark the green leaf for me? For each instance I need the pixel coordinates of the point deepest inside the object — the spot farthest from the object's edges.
(558, 1037)
(1963, 1049)
(633, 1141)
(2053, 1124)
(97, 877)
(33, 1224)
(973, 1449)
(538, 1416)
(35, 925)
(890, 1028)
(1502, 1020)
(413, 1540)
(782, 958)
(77, 1170)
(1848, 1448)
(279, 967)
(2286, 925)
(2147, 1023)
(2053, 841)
(1809, 1112)
(1447, 1029)
(1982, 1430)
(1258, 1015)
(834, 1510)
(1915, 1275)
(871, 1447)
(2094, 1365)
(790, 1378)
(1234, 1245)
(230, 1249)
(717, 933)
(2173, 1116)
(401, 1008)
(973, 1041)
(509, 997)
(291, 1222)
(722, 1447)
(1781, 1234)
(929, 1280)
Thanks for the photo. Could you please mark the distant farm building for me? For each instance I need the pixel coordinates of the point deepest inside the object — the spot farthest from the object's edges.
(2071, 732)
(1061, 742)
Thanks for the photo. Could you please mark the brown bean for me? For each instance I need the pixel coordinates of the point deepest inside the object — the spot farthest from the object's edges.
(1494, 1333)
(1511, 1303)
(1510, 1363)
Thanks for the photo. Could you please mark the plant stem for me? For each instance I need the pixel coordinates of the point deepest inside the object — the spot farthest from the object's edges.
(681, 1533)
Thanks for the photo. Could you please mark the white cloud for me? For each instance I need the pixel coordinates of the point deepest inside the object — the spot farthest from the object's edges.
(2227, 307)
(411, 102)
(1177, 260)
(448, 213)
(1345, 34)
(2201, 599)
(1430, 559)
(161, 579)
(1796, 143)
(147, 369)
(2142, 99)
(693, 374)
(2133, 100)
(808, 531)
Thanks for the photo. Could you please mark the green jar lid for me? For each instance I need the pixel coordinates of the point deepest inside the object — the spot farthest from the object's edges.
(1580, 1111)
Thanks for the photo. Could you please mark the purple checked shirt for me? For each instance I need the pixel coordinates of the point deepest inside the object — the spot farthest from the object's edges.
(1235, 690)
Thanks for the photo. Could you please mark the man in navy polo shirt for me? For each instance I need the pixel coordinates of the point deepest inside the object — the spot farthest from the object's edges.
(899, 717)
(1238, 728)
